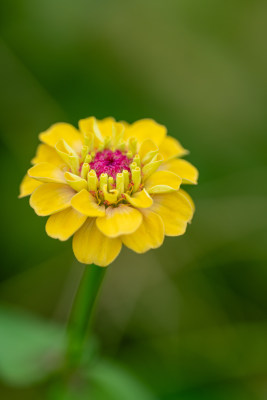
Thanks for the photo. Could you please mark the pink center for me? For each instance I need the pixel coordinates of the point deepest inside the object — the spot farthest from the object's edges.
(110, 162)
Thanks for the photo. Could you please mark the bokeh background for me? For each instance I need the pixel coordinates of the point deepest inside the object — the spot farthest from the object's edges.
(189, 320)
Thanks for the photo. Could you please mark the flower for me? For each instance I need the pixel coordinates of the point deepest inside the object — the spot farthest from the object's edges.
(110, 183)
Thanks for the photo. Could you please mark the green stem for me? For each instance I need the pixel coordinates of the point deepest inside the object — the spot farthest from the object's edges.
(81, 312)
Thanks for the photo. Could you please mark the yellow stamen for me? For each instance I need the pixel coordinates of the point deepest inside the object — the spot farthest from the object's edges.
(126, 179)
(137, 160)
(84, 152)
(110, 183)
(92, 181)
(103, 181)
(85, 170)
(101, 147)
(120, 183)
(129, 154)
(121, 146)
(88, 158)
(111, 196)
(133, 166)
(136, 177)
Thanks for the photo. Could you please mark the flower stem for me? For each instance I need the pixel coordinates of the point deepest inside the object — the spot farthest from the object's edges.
(81, 312)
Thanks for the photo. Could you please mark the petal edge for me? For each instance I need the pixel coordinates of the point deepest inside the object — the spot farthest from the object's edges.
(64, 224)
(91, 246)
(121, 220)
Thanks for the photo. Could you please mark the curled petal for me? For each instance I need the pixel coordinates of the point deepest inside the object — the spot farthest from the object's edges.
(63, 131)
(146, 147)
(90, 125)
(45, 172)
(171, 148)
(91, 246)
(64, 224)
(162, 182)
(140, 199)
(149, 235)
(50, 198)
(86, 204)
(27, 186)
(175, 211)
(182, 168)
(119, 220)
(151, 167)
(68, 155)
(106, 129)
(48, 154)
(76, 182)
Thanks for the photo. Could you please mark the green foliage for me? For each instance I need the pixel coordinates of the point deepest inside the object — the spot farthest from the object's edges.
(113, 382)
(30, 348)
(104, 380)
(32, 352)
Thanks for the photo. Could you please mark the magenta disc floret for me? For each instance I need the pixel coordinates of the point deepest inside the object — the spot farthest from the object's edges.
(110, 162)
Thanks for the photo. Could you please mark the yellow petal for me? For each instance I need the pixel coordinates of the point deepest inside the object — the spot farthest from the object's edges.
(27, 186)
(86, 204)
(68, 155)
(50, 198)
(175, 211)
(63, 131)
(106, 126)
(171, 148)
(124, 123)
(46, 153)
(76, 182)
(188, 198)
(182, 168)
(149, 235)
(45, 172)
(64, 224)
(91, 246)
(119, 220)
(151, 167)
(90, 125)
(162, 182)
(139, 199)
(146, 147)
(146, 129)
(118, 131)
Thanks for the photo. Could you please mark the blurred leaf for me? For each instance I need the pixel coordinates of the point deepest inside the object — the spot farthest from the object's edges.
(104, 381)
(112, 382)
(30, 348)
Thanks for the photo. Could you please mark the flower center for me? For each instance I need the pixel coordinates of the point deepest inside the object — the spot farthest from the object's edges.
(110, 162)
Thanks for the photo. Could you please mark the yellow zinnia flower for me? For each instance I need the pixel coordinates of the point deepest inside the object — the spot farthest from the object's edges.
(110, 183)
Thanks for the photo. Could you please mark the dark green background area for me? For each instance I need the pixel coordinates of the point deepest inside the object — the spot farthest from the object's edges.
(189, 320)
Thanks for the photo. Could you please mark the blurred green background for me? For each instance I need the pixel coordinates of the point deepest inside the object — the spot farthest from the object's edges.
(189, 320)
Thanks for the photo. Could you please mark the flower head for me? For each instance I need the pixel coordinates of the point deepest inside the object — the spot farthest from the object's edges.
(110, 183)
